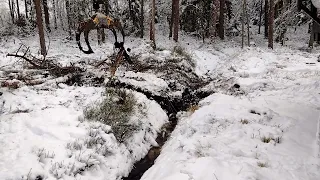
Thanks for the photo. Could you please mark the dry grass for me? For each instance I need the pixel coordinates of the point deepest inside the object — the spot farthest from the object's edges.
(193, 108)
(244, 121)
(261, 164)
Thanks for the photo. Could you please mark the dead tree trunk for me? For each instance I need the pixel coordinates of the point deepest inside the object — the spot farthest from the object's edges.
(221, 19)
(176, 20)
(266, 15)
(152, 23)
(271, 19)
(40, 27)
(141, 18)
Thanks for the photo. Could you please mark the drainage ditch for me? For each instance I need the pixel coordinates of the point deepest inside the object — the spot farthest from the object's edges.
(171, 105)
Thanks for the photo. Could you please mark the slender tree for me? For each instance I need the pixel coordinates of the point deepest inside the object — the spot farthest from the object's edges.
(248, 23)
(141, 18)
(54, 14)
(176, 19)
(46, 14)
(11, 8)
(271, 20)
(170, 19)
(266, 15)
(18, 9)
(260, 17)
(26, 8)
(221, 19)
(68, 9)
(152, 23)
(40, 27)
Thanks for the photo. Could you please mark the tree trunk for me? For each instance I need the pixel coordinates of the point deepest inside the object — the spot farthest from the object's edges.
(18, 9)
(170, 20)
(40, 27)
(54, 14)
(152, 24)
(221, 19)
(69, 18)
(260, 17)
(271, 19)
(141, 18)
(311, 40)
(26, 8)
(213, 29)
(176, 19)
(266, 15)
(248, 22)
(46, 14)
(11, 10)
(242, 25)
(60, 5)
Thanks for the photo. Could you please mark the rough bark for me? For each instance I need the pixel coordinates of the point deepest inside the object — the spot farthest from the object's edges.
(18, 9)
(40, 27)
(176, 19)
(260, 17)
(26, 8)
(271, 19)
(248, 23)
(141, 18)
(266, 15)
(46, 14)
(170, 19)
(152, 23)
(68, 9)
(11, 8)
(54, 14)
(221, 19)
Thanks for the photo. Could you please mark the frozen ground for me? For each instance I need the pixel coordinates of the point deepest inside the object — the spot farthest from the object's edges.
(41, 126)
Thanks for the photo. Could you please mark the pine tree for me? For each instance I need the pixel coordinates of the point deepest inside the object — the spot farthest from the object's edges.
(40, 27)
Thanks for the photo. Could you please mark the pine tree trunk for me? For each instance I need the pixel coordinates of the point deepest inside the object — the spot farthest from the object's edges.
(68, 9)
(266, 15)
(213, 29)
(11, 10)
(46, 14)
(40, 27)
(141, 18)
(311, 40)
(176, 20)
(18, 9)
(152, 24)
(242, 25)
(271, 19)
(171, 19)
(221, 19)
(26, 8)
(54, 14)
(248, 22)
(60, 7)
(260, 17)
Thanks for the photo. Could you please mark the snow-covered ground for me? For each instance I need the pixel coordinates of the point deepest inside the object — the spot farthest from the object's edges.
(42, 132)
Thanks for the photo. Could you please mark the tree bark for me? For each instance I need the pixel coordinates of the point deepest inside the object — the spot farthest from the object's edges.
(170, 20)
(271, 19)
(141, 18)
(213, 29)
(176, 19)
(260, 17)
(221, 19)
(18, 9)
(248, 23)
(54, 14)
(46, 14)
(26, 8)
(40, 27)
(266, 15)
(311, 40)
(242, 25)
(11, 10)
(152, 24)
(69, 18)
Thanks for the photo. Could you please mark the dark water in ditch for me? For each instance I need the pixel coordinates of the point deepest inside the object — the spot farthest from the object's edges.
(171, 105)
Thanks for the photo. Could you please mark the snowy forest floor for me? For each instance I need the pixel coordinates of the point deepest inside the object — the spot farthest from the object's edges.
(266, 129)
